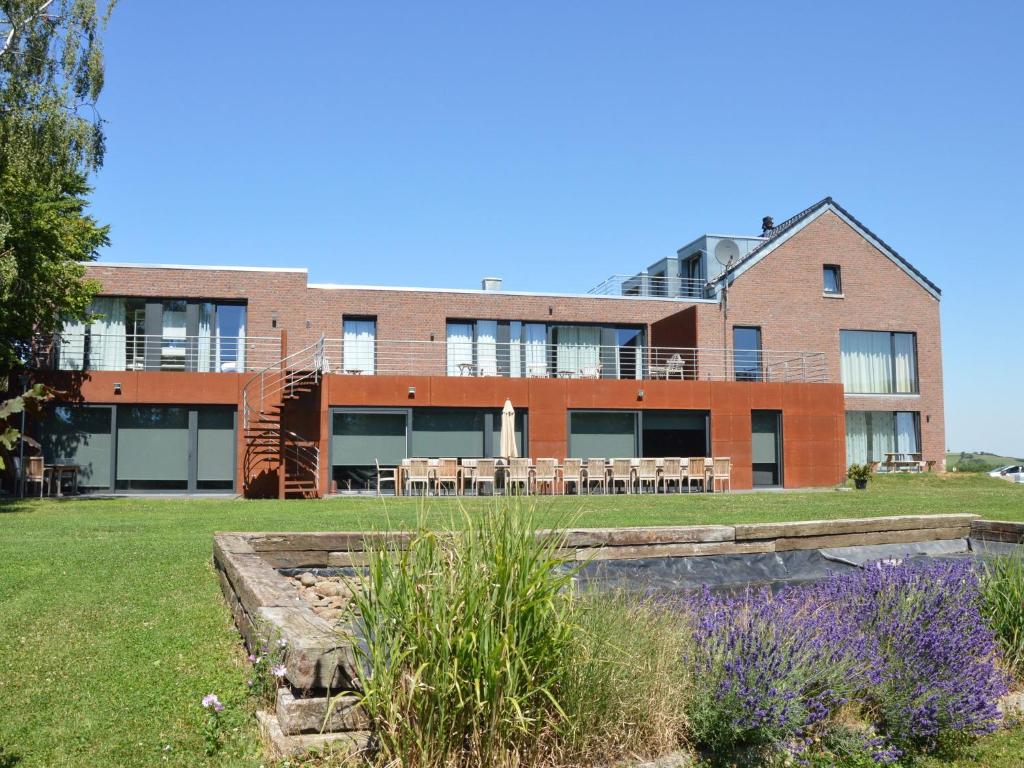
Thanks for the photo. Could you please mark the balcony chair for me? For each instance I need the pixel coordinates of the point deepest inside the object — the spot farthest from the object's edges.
(622, 472)
(546, 474)
(647, 472)
(483, 474)
(572, 472)
(448, 473)
(590, 372)
(386, 476)
(672, 472)
(418, 473)
(721, 474)
(597, 472)
(695, 473)
(518, 474)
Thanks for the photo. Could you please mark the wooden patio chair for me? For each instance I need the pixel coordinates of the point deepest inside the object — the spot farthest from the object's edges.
(448, 473)
(597, 472)
(721, 474)
(36, 472)
(518, 475)
(546, 474)
(647, 473)
(695, 472)
(483, 474)
(385, 476)
(418, 473)
(572, 472)
(622, 472)
(672, 472)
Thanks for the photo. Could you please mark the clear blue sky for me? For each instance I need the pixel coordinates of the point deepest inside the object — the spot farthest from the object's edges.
(556, 143)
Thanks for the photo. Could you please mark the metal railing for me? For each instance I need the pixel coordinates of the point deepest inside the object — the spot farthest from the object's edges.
(653, 286)
(88, 351)
(568, 361)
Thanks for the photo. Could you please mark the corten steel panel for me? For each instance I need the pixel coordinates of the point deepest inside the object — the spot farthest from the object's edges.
(152, 387)
(678, 330)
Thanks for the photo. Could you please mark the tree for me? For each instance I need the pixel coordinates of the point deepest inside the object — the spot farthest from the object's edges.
(51, 141)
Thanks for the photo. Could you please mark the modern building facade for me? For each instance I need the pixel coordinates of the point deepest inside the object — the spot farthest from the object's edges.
(795, 352)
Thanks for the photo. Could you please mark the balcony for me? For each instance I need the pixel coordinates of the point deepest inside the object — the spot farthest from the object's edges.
(362, 357)
(141, 352)
(653, 287)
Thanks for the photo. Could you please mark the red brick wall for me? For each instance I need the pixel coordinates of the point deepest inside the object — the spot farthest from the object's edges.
(783, 294)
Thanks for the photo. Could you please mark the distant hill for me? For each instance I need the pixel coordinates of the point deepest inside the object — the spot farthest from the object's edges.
(978, 461)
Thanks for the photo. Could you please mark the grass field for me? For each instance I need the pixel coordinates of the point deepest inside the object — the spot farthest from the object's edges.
(112, 626)
(990, 460)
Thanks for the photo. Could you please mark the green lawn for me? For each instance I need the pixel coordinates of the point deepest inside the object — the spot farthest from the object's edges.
(112, 627)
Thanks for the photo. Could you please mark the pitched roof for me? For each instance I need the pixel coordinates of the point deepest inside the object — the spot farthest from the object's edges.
(778, 234)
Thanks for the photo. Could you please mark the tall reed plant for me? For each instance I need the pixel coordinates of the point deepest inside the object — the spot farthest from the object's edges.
(466, 637)
(1002, 592)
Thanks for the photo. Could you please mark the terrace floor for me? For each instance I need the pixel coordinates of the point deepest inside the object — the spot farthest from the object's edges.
(114, 627)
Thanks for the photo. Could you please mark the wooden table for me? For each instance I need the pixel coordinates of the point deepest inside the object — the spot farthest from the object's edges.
(902, 461)
(57, 473)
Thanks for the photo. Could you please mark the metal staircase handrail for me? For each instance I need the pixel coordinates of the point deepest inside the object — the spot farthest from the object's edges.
(276, 378)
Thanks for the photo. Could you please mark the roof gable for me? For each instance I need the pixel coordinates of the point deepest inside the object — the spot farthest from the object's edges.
(791, 226)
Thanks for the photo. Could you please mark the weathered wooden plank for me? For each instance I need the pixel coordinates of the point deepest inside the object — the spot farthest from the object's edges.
(327, 540)
(755, 531)
(997, 530)
(256, 583)
(319, 714)
(296, 558)
(674, 550)
(636, 536)
(281, 745)
(870, 537)
(233, 542)
(348, 559)
(318, 655)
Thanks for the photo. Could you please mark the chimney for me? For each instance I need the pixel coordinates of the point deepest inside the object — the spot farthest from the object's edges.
(491, 284)
(767, 225)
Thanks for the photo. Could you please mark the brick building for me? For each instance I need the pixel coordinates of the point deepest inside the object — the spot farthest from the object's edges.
(794, 352)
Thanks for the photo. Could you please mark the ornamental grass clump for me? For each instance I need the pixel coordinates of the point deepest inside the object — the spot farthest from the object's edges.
(1002, 591)
(476, 650)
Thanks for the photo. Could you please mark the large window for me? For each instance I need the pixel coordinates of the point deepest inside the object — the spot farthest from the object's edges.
(833, 281)
(359, 344)
(872, 434)
(628, 434)
(175, 448)
(878, 362)
(746, 344)
(153, 334)
(83, 436)
(516, 348)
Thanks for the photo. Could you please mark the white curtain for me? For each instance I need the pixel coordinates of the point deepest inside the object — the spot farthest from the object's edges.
(460, 349)
(71, 346)
(536, 352)
(883, 434)
(515, 349)
(906, 362)
(487, 347)
(866, 362)
(856, 438)
(359, 343)
(204, 346)
(906, 432)
(578, 350)
(106, 335)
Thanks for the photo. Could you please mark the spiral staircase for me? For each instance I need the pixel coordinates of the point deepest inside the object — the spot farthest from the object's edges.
(281, 425)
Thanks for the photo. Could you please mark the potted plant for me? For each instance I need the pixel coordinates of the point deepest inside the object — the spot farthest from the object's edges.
(859, 473)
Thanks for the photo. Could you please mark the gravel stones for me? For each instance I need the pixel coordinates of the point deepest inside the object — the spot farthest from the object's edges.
(330, 597)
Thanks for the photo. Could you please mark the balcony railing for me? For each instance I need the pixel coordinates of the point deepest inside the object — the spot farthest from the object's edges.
(87, 351)
(369, 357)
(652, 286)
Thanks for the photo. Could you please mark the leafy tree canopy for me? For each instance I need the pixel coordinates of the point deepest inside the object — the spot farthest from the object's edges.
(51, 141)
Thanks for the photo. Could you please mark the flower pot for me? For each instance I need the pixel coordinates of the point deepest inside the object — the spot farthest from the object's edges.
(860, 483)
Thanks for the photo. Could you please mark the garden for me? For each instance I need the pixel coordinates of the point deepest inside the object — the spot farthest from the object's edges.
(115, 632)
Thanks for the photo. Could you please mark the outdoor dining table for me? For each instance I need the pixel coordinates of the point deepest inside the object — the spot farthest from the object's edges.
(897, 461)
(58, 472)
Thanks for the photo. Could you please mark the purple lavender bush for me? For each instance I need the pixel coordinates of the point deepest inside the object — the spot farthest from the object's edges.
(903, 645)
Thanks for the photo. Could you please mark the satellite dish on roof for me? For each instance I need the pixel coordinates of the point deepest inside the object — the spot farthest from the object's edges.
(727, 252)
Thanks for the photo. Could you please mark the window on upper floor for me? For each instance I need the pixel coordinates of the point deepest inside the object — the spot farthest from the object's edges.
(359, 344)
(833, 280)
(691, 270)
(878, 362)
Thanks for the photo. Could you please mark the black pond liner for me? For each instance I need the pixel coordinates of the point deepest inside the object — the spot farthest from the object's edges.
(662, 575)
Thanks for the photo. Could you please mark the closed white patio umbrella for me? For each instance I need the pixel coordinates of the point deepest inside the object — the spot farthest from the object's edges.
(508, 448)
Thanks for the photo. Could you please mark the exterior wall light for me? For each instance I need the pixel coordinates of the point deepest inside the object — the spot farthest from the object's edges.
(117, 388)
(412, 391)
(640, 394)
